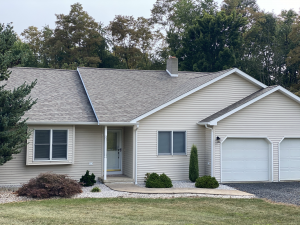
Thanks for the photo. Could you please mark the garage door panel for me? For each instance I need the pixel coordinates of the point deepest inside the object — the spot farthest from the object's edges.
(290, 159)
(245, 159)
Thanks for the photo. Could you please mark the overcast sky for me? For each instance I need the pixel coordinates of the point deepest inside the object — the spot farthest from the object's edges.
(25, 13)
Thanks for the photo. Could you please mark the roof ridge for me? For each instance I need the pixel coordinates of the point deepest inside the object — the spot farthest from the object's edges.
(39, 68)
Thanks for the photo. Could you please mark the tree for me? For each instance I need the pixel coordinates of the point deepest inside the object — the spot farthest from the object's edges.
(13, 104)
(193, 167)
(210, 44)
(132, 40)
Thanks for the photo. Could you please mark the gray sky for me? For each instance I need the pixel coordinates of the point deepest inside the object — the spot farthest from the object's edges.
(25, 13)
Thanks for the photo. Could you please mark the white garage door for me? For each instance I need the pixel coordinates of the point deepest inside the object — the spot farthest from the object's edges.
(290, 159)
(245, 159)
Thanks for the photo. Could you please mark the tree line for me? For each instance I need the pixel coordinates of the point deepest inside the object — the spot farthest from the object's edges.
(203, 36)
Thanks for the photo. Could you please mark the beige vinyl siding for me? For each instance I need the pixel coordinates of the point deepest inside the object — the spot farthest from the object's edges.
(184, 115)
(128, 152)
(30, 147)
(88, 148)
(274, 116)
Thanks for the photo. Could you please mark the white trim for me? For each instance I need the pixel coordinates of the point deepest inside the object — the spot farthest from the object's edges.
(136, 148)
(73, 156)
(285, 137)
(105, 154)
(51, 143)
(172, 75)
(87, 94)
(239, 72)
(271, 176)
(61, 123)
(172, 153)
(279, 88)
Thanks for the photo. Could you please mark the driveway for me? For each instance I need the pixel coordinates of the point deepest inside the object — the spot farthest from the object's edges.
(285, 192)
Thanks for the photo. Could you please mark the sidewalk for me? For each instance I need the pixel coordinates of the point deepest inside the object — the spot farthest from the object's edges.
(131, 188)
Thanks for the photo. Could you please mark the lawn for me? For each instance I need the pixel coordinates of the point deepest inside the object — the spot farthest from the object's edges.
(149, 211)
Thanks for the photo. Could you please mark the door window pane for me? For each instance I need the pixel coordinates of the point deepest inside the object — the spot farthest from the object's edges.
(112, 140)
(164, 142)
(178, 142)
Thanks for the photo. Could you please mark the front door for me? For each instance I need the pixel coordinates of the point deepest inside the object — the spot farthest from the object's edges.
(114, 152)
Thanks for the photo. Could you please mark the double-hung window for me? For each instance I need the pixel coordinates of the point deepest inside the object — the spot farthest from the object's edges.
(50, 144)
(171, 142)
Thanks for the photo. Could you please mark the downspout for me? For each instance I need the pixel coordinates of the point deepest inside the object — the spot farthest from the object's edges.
(135, 173)
(211, 151)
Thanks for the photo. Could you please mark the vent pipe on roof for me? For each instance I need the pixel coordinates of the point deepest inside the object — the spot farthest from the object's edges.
(172, 66)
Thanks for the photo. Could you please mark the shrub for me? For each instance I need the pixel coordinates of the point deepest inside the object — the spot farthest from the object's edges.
(96, 189)
(87, 179)
(47, 185)
(166, 180)
(146, 177)
(194, 167)
(158, 181)
(206, 182)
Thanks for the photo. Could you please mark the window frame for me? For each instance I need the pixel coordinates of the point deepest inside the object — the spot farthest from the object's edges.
(172, 153)
(51, 144)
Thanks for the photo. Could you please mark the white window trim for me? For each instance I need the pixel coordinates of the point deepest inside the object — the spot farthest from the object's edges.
(51, 140)
(172, 153)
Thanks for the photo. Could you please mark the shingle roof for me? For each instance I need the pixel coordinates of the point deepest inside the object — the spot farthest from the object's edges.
(123, 95)
(238, 104)
(61, 96)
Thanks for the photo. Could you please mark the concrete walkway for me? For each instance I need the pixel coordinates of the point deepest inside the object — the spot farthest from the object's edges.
(131, 188)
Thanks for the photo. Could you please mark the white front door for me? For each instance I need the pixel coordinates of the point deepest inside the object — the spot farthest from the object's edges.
(114, 152)
(290, 159)
(245, 159)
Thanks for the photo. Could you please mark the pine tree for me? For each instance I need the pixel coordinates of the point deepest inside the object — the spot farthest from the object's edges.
(13, 104)
(194, 167)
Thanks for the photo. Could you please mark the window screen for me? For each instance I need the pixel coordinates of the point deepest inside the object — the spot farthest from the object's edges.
(164, 142)
(59, 144)
(42, 144)
(178, 142)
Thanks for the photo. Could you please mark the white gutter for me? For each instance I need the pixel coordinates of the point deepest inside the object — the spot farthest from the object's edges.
(135, 173)
(61, 123)
(87, 95)
(211, 151)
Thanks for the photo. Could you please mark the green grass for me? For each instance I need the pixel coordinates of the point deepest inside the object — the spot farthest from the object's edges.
(149, 211)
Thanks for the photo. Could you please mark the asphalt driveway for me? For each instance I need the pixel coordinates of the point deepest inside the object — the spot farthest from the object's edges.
(285, 192)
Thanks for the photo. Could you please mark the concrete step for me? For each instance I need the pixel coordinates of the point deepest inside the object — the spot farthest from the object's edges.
(116, 180)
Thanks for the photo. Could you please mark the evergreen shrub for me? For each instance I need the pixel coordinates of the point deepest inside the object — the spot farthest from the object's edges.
(193, 167)
(206, 182)
(87, 179)
(158, 181)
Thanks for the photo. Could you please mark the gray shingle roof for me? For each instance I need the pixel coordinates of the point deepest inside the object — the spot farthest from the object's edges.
(61, 96)
(123, 95)
(238, 104)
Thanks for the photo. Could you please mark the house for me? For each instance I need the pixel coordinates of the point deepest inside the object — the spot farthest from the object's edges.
(133, 122)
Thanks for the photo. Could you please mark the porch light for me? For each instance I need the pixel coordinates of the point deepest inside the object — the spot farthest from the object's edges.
(218, 139)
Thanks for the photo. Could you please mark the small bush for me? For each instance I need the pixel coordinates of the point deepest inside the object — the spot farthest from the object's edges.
(206, 182)
(47, 185)
(194, 167)
(96, 189)
(146, 177)
(166, 180)
(87, 179)
(158, 181)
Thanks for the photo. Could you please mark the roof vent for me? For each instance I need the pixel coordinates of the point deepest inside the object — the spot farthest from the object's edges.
(172, 66)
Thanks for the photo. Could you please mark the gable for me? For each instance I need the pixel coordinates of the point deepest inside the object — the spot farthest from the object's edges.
(208, 100)
(271, 113)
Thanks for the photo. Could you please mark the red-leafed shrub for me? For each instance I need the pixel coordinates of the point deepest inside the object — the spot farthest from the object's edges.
(47, 185)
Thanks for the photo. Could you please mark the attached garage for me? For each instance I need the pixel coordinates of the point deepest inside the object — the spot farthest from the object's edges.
(289, 159)
(246, 159)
